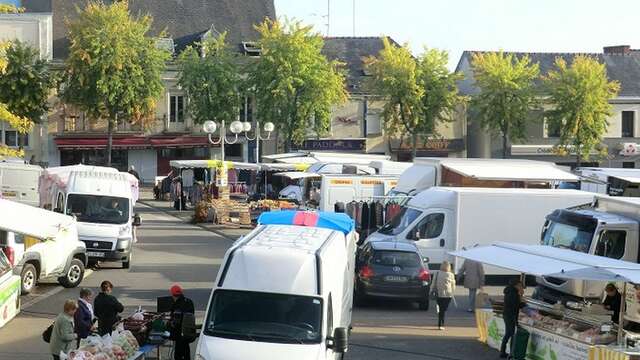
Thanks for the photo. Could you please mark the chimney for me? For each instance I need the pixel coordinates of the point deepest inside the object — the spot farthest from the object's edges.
(618, 49)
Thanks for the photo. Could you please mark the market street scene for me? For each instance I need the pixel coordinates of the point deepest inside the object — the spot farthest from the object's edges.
(313, 179)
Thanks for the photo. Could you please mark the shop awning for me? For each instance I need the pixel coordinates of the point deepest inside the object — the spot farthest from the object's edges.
(297, 175)
(132, 142)
(284, 167)
(209, 164)
(519, 170)
(32, 221)
(549, 261)
(630, 179)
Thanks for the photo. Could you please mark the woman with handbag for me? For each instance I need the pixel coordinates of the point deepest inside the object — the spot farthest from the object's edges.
(62, 336)
(445, 287)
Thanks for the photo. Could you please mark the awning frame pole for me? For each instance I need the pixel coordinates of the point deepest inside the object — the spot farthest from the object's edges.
(623, 305)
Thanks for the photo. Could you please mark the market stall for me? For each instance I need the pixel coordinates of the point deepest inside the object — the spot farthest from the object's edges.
(559, 332)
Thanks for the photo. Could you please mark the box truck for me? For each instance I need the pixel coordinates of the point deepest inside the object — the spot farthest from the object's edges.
(284, 291)
(608, 227)
(489, 173)
(19, 182)
(610, 181)
(444, 219)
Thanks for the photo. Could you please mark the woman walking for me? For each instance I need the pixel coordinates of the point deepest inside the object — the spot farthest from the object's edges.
(445, 286)
(63, 337)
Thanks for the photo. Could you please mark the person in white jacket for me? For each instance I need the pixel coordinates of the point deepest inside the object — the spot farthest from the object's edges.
(445, 287)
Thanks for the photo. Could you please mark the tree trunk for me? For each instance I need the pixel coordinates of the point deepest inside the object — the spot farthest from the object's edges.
(504, 146)
(111, 125)
(414, 145)
(578, 159)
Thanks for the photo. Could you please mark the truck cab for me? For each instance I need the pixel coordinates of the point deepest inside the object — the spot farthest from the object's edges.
(590, 231)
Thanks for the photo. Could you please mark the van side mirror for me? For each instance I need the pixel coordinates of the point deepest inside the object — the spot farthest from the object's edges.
(136, 220)
(340, 340)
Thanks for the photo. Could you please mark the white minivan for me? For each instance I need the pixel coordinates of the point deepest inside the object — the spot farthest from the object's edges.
(284, 291)
(19, 182)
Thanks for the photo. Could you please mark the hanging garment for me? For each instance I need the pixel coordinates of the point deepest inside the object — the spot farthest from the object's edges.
(372, 216)
(364, 219)
(187, 177)
(379, 214)
(351, 209)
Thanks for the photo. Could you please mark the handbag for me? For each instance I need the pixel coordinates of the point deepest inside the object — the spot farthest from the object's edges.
(433, 294)
(46, 334)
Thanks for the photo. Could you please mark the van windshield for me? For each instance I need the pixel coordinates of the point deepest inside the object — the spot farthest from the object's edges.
(265, 317)
(400, 222)
(568, 236)
(98, 209)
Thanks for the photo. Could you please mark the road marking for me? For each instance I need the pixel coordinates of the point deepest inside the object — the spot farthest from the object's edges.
(49, 293)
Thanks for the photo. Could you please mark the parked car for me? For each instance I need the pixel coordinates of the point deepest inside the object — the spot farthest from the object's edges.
(41, 245)
(394, 270)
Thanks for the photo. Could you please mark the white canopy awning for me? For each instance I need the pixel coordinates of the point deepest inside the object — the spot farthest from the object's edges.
(297, 175)
(631, 179)
(284, 167)
(32, 221)
(520, 170)
(208, 164)
(543, 260)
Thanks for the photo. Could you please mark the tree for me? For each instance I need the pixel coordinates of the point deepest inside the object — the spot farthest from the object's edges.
(10, 9)
(418, 93)
(26, 83)
(580, 94)
(295, 85)
(507, 93)
(113, 69)
(211, 80)
(21, 124)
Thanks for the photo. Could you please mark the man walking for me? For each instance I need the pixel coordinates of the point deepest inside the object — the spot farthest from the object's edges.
(471, 276)
(512, 304)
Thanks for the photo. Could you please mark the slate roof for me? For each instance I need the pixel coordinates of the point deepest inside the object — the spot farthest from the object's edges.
(184, 20)
(625, 68)
(351, 51)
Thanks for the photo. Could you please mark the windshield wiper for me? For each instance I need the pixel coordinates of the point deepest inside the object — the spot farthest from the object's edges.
(231, 332)
(280, 336)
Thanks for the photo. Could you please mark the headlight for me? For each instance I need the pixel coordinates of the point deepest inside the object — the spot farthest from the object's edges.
(125, 231)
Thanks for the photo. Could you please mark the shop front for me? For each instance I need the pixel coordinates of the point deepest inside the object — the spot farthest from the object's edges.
(429, 148)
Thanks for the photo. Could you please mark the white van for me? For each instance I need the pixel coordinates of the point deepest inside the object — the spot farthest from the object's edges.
(102, 200)
(443, 219)
(283, 291)
(19, 182)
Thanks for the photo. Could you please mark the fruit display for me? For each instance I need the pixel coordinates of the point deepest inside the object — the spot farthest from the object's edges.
(121, 345)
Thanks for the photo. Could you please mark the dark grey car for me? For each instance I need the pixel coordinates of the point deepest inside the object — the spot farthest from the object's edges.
(393, 270)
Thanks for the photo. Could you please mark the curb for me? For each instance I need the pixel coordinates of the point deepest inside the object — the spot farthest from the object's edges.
(203, 227)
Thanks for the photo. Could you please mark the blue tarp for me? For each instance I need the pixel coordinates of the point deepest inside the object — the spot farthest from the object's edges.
(327, 220)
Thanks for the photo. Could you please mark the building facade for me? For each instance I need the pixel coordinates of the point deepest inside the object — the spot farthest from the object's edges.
(623, 133)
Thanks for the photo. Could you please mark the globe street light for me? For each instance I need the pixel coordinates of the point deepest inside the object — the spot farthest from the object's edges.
(268, 128)
(236, 127)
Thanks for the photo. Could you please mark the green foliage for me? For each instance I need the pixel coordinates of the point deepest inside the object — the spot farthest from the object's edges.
(113, 69)
(10, 9)
(21, 124)
(211, 81)
(418, 93)
(26, 82)
(507, 93)
(294, 83)
(580, 95)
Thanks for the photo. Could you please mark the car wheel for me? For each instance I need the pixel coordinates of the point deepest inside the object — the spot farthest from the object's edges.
(28, 279)
(74, 275)
(424, 305)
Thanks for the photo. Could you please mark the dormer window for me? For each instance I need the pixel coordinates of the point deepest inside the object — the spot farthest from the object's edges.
(251, 48)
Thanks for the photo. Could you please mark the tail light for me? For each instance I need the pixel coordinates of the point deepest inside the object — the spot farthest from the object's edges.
(366, 272)
(10, 253)
(424, 275)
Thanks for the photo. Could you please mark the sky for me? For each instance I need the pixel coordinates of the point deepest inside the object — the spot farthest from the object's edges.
(458, 25)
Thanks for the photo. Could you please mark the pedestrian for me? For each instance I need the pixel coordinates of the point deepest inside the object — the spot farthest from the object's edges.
(512, 304)
(445, 286)
(471, 275)
(182, 314)
(132, 171)
(613, 301)
(83, 319)
(63, 336)
(106, 308)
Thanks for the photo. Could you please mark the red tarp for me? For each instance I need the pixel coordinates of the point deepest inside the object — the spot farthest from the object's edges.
(132, 142)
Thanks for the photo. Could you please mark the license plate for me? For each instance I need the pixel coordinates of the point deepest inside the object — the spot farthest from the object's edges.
(396, 278)
(95, 254)
(9, 194)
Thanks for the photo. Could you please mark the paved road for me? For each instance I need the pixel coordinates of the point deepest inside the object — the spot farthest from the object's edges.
(171, 251)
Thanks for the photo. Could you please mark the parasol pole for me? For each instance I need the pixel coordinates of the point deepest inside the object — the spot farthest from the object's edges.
(623, 304)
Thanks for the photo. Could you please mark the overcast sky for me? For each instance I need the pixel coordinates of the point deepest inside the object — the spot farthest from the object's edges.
(457, 25)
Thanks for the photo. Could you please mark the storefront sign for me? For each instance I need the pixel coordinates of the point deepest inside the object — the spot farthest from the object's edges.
(341, 182)
(450, 145)
(371, 182)
(542, 150)
(333, 144)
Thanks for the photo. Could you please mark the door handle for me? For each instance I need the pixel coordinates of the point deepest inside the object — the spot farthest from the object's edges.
(441, 242)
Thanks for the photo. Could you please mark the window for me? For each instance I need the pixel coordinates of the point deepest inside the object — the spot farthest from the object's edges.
(176, 108)
(611, 244)
(397, 258)
(553, 130)
(98, 209)
(400, 222)
(428, 228)
(628, 164)
(628, 118)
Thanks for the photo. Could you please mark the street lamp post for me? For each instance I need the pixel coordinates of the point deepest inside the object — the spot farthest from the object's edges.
(236, 128)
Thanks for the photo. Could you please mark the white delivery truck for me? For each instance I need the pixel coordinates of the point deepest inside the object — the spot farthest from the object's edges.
(346, 188)
(610, 181)
(19, 182)
(102, 200)
(284, 291)
(609, 227)
(443, 219)
(489, 173)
